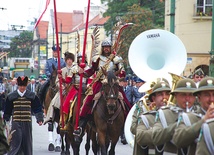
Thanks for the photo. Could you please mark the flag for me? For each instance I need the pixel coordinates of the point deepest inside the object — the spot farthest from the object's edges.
(46, 6)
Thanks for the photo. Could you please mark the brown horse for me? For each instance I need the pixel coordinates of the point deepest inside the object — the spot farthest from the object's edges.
(69, 137)
(108, 115)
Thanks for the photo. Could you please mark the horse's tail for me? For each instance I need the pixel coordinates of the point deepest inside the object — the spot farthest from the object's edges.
(43, 90)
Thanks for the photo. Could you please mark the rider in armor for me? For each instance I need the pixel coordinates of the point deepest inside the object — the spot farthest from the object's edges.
(99, 61)
(73, 78)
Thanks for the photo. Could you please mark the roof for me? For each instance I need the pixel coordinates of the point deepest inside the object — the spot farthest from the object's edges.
(96, 21)
(42, 29)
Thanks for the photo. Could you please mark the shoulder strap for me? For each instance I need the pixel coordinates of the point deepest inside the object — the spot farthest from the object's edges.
(186, 120)
(145, 121)
(208, 138)
(162, 118)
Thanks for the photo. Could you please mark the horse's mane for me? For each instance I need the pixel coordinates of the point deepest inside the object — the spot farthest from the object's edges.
(111, 77)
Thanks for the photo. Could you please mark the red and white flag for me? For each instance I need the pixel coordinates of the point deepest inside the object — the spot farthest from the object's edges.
(46, 6)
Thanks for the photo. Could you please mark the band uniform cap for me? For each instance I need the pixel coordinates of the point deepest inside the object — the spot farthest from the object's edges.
(199, 72)
(54, 48)
(159, 87)
(22, 81)
(185, 86)
(206, 83)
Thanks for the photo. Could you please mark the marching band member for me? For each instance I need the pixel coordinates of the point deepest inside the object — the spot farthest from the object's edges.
(98, 62)
(160, 94)
(198, 75)
(166, 117)
(189, 124)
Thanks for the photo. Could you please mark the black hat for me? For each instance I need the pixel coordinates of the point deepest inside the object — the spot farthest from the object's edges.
(199, 72)
(22, 81)
(69, 55)
(54, 48)
(205, 84)
(184, 86)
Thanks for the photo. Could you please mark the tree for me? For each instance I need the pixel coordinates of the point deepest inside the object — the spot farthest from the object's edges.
(145, 14)
(21, 45)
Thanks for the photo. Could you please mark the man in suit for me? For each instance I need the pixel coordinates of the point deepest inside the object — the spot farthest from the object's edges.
(32, 85)
(13, 86)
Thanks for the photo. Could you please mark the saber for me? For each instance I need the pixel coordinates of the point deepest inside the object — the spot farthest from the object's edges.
(82, 65)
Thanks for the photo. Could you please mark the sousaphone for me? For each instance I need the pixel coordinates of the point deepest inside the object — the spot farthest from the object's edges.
(154, 54)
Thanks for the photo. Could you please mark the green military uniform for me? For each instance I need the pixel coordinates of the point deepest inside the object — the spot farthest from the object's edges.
(4, 147)
(166, 119)
(187, 131)
(144, 128)
(139, 109)
(189, 124)
(205, 142)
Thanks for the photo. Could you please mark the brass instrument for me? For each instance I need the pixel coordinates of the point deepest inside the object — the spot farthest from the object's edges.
(152, 54)
(175, 79)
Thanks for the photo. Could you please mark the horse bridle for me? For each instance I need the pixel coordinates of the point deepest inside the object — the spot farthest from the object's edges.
(112, 92)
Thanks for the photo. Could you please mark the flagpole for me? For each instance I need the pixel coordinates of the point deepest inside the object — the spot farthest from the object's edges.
(59, 68)
(82, 65)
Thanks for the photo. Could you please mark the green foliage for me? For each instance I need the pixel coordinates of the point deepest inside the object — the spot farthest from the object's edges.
(145, 14)
(21, 45)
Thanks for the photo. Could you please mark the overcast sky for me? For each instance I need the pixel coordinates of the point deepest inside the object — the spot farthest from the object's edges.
(22, 12)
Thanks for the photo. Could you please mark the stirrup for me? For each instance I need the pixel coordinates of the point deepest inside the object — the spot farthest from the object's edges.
(78, 132)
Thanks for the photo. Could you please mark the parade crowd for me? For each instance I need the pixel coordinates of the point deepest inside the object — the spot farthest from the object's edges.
(165, 120)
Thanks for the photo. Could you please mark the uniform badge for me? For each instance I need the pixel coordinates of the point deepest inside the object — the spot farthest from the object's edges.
(188, 84)
(209, 82)
(163, 85)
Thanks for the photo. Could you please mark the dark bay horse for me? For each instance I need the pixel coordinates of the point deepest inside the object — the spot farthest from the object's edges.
(108, 115)
(69, 137)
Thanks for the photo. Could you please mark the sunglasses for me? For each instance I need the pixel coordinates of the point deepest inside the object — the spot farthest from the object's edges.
(197, 77)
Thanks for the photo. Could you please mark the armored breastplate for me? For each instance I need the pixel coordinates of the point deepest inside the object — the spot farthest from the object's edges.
(77, 77)
(22, 110)
(103, 61)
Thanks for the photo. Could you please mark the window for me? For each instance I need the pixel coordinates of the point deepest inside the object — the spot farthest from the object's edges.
(204, 7)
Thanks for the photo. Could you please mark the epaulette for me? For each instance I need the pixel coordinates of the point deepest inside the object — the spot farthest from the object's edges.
(165, 107)
(152, 112)
(200, 115)
(176, 109)
(210, 120)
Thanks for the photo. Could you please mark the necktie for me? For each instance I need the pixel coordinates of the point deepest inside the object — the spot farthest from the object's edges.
(56, 60)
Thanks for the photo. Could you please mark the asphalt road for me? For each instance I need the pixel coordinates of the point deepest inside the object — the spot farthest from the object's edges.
(40, 143)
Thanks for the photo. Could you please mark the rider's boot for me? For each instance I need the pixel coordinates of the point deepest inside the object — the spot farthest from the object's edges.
(65, 119)
(82, 124)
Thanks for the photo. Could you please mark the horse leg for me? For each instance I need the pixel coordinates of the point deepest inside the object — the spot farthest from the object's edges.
(113, 144)
(87, 145)
(68, 143)
(58, 139)
(102, 142)
(62, 145)
(94, 142)
(50, 139)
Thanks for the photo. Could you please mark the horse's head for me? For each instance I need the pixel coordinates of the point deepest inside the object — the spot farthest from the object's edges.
(110, 92)
(53, 79)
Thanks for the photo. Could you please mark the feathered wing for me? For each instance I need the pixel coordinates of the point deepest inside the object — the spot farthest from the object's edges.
(78, 42)
(95, 41)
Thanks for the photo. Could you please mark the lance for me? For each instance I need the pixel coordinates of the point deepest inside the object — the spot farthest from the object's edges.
(59, 67)
(82, 65)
